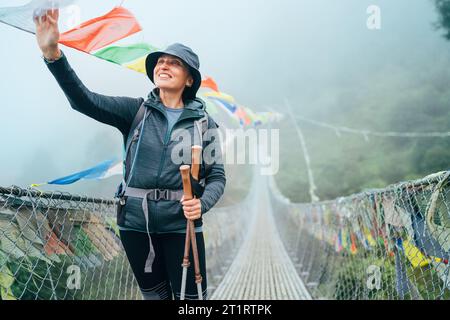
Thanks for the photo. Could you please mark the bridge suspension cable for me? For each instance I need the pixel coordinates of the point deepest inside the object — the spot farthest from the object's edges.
(301, 137)
(366, 133)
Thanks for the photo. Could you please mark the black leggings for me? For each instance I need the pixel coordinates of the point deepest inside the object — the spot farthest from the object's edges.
(165, 281)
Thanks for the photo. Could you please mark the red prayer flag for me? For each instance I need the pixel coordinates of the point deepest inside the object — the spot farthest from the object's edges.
(55, 246)
(353, 246)
(99, 32)
(243, 116)
(210, 83)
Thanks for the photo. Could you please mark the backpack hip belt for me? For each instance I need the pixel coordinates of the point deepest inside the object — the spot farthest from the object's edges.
(154, 194)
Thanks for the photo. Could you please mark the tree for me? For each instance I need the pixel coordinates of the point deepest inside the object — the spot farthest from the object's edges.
(443, 8)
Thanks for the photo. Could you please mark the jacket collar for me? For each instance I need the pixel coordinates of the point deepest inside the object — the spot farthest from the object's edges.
(192, 108)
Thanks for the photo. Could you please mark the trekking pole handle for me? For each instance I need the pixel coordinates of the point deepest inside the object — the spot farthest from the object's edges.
(187, 188)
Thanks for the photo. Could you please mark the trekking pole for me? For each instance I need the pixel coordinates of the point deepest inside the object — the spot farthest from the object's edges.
(190, 227)
(185, 264)
(195, 168)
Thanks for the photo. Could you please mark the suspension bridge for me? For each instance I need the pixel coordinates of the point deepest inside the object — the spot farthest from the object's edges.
(391, 243)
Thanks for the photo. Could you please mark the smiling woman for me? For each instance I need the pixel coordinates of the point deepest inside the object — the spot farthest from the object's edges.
(152, 213)
(178, 65)
(171, 77)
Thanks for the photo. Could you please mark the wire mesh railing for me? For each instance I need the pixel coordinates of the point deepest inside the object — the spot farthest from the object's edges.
(392, 243)
(60, 246)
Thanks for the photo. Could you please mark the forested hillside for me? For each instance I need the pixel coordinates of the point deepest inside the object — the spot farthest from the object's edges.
(400, 97)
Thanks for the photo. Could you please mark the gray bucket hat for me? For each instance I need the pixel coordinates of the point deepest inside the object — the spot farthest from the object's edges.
(189, 58)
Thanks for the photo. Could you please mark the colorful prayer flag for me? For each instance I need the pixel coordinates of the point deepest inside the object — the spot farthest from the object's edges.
(230, 108)
(103, 170)
(209, 82)
(99, 32)
(125, 54)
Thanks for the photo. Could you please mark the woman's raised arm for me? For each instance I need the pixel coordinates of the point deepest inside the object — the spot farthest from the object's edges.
(115, 111)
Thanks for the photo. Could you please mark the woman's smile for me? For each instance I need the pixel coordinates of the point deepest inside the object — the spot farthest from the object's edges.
(164, 76)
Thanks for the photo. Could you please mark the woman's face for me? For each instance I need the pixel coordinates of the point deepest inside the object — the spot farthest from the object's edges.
(171, 74)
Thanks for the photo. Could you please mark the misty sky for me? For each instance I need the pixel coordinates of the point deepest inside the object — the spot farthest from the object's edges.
(258, 51)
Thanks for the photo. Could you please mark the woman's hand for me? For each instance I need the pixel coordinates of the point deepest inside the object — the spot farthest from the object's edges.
(47, 34)
(192, 208)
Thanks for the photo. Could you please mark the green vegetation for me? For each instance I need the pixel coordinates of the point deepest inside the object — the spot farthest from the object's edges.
(402, 95)
(343, 163)
(443, 8)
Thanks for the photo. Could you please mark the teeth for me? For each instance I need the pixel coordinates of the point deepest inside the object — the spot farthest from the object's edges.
(164, 75)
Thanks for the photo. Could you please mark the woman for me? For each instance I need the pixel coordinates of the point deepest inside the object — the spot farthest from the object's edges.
(152, 217)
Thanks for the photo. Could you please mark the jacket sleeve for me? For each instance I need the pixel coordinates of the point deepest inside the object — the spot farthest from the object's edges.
(215, 179)
(118, 112)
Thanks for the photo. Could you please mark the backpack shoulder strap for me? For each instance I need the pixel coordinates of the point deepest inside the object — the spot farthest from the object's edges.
(134, 132)
(138, 117)
(202, 123)
(201, 126)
